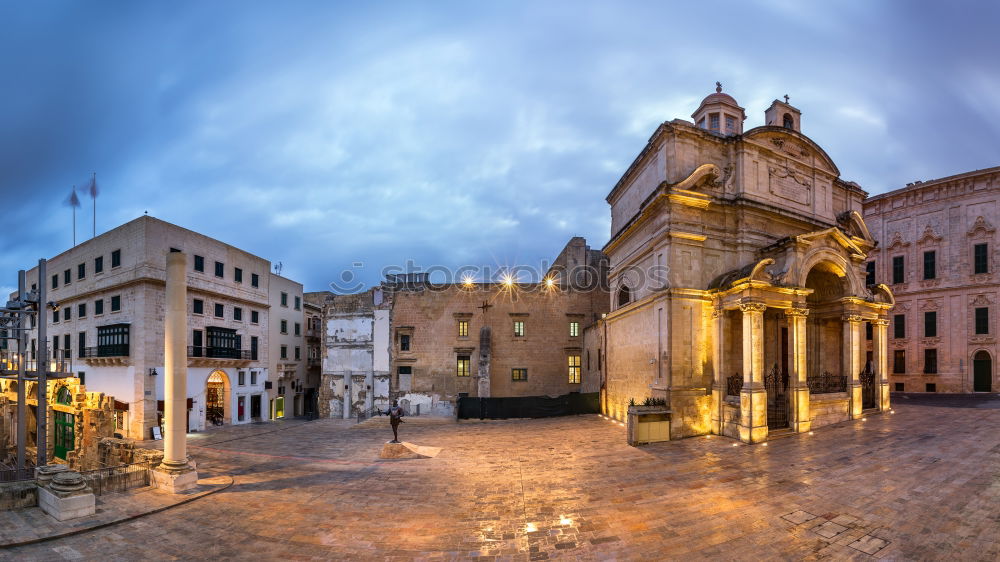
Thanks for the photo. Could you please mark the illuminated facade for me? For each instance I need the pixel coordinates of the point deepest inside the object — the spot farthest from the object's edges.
(738, 281)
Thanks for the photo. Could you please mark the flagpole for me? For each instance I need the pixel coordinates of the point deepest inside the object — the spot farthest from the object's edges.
(93, 195)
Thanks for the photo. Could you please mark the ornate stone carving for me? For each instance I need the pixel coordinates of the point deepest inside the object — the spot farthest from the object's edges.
(981, 299)
(758, 307)
(896, 241)
(930, 304)
(853, 318)
(797, 312)
(880, 321)
(788, 183)
(929, 236)
(981, 227)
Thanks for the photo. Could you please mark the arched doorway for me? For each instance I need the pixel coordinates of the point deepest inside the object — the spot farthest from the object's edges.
(217, 399)
(826, 372)
(982, 372)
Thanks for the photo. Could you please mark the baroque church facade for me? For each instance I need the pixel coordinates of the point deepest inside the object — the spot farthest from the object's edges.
(737, 271)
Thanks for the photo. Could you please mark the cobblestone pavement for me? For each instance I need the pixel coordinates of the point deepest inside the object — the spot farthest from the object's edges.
(923, 483)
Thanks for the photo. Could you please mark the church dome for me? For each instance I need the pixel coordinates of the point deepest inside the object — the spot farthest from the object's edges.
(719, 113)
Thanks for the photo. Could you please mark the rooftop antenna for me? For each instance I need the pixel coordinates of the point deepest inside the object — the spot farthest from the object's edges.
(277, 268)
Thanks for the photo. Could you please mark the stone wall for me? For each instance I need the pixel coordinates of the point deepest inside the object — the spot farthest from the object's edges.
(826, 409)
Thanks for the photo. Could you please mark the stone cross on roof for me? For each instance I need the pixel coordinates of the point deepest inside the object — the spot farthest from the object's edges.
(718, 88)
(786, 98)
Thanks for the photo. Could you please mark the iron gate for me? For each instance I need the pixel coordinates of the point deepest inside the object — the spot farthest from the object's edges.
(869, 396)
(776, 385)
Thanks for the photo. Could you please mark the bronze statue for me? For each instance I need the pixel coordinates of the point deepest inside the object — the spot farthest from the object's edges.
(395, 414)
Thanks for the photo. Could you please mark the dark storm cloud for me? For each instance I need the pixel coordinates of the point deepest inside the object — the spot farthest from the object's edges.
(321, 134)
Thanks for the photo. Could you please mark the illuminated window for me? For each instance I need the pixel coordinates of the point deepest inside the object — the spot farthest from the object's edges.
(574, 329)
(518, 329)
(519, 374)
(463, 366)
(279, 407)
(574, 369)
(463, 328)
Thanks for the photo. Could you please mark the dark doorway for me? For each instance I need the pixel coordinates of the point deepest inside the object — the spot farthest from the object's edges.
(869, 392)
(255, 407)
(776, 385)
(982, 372)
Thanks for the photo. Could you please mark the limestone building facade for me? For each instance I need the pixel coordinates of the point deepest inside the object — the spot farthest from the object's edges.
(738, 280)
(110, 292)
(288, 349)
(939, 255)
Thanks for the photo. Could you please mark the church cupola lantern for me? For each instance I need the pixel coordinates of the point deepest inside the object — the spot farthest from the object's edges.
(781, 114)
(720, 114)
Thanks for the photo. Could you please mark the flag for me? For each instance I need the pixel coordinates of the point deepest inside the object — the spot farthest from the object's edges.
(73, 200)
(92, 186)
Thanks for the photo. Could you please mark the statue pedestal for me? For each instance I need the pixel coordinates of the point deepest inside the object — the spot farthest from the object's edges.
(406, 450)
(67, 496)
(175, 479)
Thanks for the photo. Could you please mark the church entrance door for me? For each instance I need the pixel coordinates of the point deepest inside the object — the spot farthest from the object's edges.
(982, 372)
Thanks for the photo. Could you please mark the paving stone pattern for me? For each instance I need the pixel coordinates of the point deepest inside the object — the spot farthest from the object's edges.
(923, 483)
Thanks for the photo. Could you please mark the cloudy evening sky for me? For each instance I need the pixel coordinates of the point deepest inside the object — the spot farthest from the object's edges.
(323, 134)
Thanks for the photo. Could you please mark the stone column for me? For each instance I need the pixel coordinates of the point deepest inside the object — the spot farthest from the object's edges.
(880, 353)
(719, 368)
(852, 362)
(175, 473)
(797, 362)
(753, 397)
(348, 382)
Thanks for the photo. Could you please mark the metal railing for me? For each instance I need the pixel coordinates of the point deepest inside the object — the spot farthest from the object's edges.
(734, 384)
(17, 475)
(118, 478)
(9, 363)
(114, 350)
(219, 352)
(826, 383)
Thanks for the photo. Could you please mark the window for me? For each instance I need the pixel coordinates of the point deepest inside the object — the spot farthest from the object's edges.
(98, 307)
(930, 361)
(284, 299)
(66, 345)
(787, 121)
(298, 329)
(870, 273)
(713, 122)
(284, 352)
(899, 361)
(463, 328)
(237, 314)
(81, 310)
(279, 407)
(254, 317)
(81, 345)
(254, 280)
(99, 264)
(81, 271)
(197, 342)
(242, 378)
(574, 369)
(220, 269)
(66, 277)
(404, 342)
(983, 320)
(198, 306)
(55, 281)
(899, 326)
(980, 258)
(298, 353)
(462, 369)
(199, 264)
(116, 303)
(929, 265)
(730, 124)
(519, 374)
(701, 123)
(284, 326)
(869, 331)
(67, 312)
(253, 347)
(900, 387)
(930, 324)
(624, 295)
(113, 341)
(930, 387)
(298, 303)
(116, 259)
(518, 329)
(223, 342)
(898, 271)
(55, 316)
(574, 329)
(238, 275)
(253, 377)
(220, 310)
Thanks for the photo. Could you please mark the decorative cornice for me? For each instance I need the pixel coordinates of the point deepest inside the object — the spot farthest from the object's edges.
(758, 307)
(853, 318)
(981, 227)
(797, 312)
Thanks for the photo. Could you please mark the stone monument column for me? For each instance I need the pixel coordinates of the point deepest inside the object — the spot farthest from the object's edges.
(880, 356)
(175, 473)
(798, 364)
(753, 397)
(852, 362)
(718, 366)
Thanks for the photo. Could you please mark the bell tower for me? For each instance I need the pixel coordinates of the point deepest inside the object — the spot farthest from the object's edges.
(781, 114)
(720, 114)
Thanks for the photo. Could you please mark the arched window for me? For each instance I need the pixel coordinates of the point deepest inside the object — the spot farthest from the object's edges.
(64, 397)
(624, 295)
(788, 122)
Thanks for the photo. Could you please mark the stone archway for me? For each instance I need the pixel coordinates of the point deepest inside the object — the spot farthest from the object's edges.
(825, 328)
(218, 399)
(982, 371)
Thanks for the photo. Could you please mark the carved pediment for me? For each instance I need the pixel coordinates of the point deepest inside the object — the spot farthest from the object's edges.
(981, 227)
(930, 304)
(896, 241)
(981, 299)
(929, 236)
(789, 144)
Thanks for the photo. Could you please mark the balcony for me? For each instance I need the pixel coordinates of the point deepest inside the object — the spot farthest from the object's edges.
(57, 368)
(206, 356)
(106, 355)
